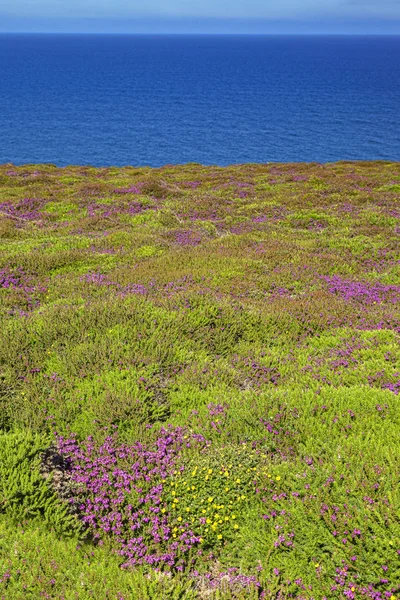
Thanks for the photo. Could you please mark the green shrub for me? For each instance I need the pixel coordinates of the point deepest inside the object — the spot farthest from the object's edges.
(24, 493)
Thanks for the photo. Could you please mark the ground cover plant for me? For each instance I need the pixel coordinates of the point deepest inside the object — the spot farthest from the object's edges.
(200, 382)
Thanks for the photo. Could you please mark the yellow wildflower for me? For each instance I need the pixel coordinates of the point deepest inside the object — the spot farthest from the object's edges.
(278, 478)
(219, 536)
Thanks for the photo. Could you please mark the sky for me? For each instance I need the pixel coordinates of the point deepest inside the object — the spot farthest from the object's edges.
(201, 16)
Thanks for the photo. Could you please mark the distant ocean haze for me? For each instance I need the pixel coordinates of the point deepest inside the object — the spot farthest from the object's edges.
(155, 100)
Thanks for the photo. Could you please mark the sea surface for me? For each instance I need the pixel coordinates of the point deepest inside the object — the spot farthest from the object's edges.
(155, 100)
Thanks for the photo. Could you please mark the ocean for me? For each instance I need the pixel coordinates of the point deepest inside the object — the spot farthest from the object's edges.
(155, 100)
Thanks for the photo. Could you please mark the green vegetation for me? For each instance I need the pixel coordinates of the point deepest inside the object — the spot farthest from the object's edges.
(199, 382)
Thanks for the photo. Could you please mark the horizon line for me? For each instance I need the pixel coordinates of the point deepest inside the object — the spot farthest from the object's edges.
(199, 33)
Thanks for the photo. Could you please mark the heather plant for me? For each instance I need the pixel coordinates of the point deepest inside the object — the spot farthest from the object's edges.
(133, 514)
(199, 382)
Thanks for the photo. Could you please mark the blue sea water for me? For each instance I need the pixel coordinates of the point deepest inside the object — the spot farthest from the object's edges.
(155, 100)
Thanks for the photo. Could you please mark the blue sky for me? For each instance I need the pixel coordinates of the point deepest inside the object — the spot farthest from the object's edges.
(201, 16)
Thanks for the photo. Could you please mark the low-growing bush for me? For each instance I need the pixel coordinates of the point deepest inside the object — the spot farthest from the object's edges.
(24, 492)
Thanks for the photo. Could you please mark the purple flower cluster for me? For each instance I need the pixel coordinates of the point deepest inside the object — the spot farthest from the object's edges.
(97, 209)
(192, 184)
(364, 292)
(346, 582)
(203, 214)
(102, 280)
(133, 189)
(25, 210)
(17, 279)
(180, 285)
(118, 492)
(187, 237)
(285, 540)
(384, 382)
(230, 578)
(256, 373)
(217, 409)
(97, 279)
(135, 288)
(10, 279)
(169, 289)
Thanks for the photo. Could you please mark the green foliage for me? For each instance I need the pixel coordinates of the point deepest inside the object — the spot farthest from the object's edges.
(210, 495)
(132, 298)
(24, 493)
(66, 568)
